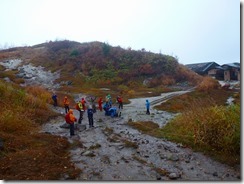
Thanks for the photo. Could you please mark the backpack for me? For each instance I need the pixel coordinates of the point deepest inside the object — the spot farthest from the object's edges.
(77, 107)
(67, 118)
(90, 111)
(54, 97)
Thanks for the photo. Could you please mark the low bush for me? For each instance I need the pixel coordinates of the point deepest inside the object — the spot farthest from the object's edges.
(214, 130)
(26, 154)
(207, 84)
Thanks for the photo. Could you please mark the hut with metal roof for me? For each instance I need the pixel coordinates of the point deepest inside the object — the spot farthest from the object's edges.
(231, 71)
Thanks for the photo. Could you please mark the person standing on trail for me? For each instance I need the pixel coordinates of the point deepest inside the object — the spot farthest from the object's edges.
(119, 100)
(100, 102)
(90, 116)
(66, 104)
(71, 122)
(92, 101)
(147, 107)
(106, 108)
(83, 102)
(79, 107)
(109, 99)
(55, 99)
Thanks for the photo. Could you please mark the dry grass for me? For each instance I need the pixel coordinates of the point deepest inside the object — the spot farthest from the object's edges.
(205, 124)
(207, 84)
(27, 154)
(214, 130)
(41, 157)
(207, 98)
(147, 127)
(162, 172)
(140, 160)
(130, 144)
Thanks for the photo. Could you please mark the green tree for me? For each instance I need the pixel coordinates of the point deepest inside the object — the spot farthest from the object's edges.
(106, 49)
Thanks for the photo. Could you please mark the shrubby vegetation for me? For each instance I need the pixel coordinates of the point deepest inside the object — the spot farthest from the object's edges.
(205, 123)
(100, 63)
(25, 154)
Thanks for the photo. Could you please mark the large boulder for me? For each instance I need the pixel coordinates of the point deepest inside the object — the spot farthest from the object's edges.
(79, 127)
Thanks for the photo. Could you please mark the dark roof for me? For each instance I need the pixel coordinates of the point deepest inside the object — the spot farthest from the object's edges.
(219, 67)
(201, 67)
(231, 65)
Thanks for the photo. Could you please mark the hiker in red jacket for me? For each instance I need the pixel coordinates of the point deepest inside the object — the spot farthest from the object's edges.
(100, 102)
(120, 101)
(83, 102)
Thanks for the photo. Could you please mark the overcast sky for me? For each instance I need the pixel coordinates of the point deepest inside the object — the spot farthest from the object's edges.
(193, 30)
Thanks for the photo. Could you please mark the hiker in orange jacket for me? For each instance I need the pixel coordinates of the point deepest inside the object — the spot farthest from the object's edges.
(72, 120)
(66, 104)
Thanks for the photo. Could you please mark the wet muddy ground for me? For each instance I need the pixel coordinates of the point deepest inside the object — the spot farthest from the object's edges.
(112, 150)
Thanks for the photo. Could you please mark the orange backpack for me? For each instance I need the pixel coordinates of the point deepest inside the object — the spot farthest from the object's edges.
(67, 118)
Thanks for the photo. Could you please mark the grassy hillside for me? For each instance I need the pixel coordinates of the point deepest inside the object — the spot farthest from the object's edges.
(97, 64)
(26, 154)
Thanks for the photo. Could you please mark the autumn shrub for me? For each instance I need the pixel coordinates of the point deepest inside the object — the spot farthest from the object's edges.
(25, 153)
(194, 99)
(215, 130)
(131, 92)
(19, 80)
(14, 121)
(167, 80)
(207, 84)
(185, 74)
(123, 88)
(39, 92)
(144, 126)
(21, 107)
(9, 74)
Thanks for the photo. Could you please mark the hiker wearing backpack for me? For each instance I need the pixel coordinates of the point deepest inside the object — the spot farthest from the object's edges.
(83, 102)
(147, 107)
(55, 100)
(66, 104)
(90, 116)
(71, 119)
(79, 107)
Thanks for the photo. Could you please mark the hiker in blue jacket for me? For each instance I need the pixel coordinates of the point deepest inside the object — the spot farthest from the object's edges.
(148, 107)
(55, 100)
(113, 112)
(106, 108)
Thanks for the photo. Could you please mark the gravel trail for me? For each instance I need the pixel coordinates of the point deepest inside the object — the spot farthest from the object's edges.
(112, 150)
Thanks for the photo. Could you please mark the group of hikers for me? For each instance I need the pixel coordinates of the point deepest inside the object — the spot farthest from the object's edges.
(89, 105)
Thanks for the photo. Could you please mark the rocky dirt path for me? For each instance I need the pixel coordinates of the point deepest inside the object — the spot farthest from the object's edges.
(115, 151)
